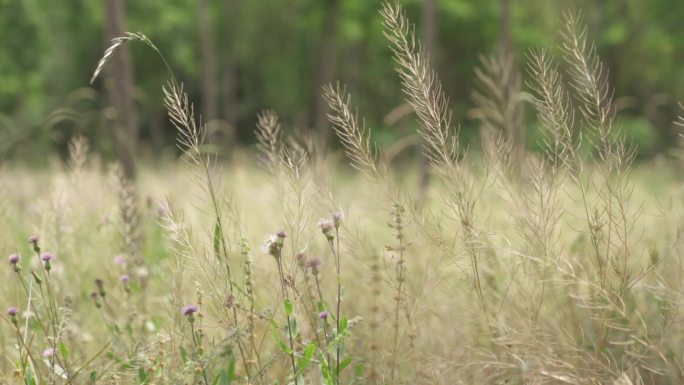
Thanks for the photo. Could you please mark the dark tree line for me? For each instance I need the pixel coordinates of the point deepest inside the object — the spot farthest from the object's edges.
(238, 57)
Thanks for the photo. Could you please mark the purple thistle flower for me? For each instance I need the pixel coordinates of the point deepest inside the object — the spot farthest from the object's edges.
(338, 218)
(324, 315)
(274, 243)
(189, 310)
(33, 239)
(14, 259)
(120, 260)
(301, 259)
(314, 264)
(326, 225)
(12, 311)
(47, 257)
(125, 278)
(49, 352)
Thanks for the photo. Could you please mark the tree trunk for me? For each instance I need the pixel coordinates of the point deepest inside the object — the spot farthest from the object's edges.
(121, 91)
(230, 63)
(505, 38)
(515, 108)
(326, 67)
(208, 55)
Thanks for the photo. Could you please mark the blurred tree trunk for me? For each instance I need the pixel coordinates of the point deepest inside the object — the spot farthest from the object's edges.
(121, 91)
(326, 66)
(230, 63)
(208, 54)
(429, 32)
(515, 110)
(505, 34)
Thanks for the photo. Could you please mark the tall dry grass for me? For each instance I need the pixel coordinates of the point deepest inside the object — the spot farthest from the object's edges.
(552, 267)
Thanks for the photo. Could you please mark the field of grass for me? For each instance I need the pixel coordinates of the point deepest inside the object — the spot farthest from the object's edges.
(546, 314)
(285, 266)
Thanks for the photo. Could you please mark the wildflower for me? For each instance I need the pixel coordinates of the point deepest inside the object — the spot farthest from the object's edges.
(326, 225)
(142, 272)
(33, 239)
(274, 243)
(338, 218)
(189, 311)
(49, 352)
(314, 264)
(120, 260)
(12, 313)
(301, 259)
(47, 257)
(324, 315)
(14, 259)
(100, 287)
(125, 279)
(95, 299)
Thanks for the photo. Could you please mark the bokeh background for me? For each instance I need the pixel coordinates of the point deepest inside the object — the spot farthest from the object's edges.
(238, 57)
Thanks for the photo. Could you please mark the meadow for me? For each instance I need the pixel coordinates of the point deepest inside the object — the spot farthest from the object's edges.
(287, 266)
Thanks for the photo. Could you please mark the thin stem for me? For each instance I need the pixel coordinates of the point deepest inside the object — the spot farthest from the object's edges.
(339, 300)
(400, 279)
(197, 351)
(217, 212)
(287, 315)
(325, 322)
(35, 311)
(22, 363)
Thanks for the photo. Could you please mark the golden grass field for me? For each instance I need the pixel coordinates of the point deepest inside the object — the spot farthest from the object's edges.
(586, 329)
(283, 265)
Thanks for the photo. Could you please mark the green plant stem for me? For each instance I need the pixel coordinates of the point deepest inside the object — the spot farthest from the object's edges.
(325, 323)
(339, 302)
(33, 307)
(287, 316)
(197, 351)
(217, 213)
(20, 344)
(400, 279)
(52, 312)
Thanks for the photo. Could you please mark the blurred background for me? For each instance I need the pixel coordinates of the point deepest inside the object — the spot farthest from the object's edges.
(238, 57)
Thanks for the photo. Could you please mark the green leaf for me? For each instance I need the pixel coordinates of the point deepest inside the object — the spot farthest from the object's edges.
(327, 373)
(289, 307)
(344, 322)
(321, 306)
(345, 363)
(359, 370)
(63, 351)
(217, 239)
(283, 346)
(293, 326)
(184, 355)
(305, 360)
(142, 375)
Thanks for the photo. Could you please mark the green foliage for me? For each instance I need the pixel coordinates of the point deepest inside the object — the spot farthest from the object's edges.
(275, 48)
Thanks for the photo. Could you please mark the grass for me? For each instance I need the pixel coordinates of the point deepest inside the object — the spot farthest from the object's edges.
(556, 267)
